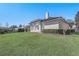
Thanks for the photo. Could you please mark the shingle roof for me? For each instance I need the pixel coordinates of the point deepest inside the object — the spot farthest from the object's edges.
(51, 18)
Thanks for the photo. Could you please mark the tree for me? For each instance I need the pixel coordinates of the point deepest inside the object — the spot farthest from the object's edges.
(20, 25)
(13, 26)
(7, 25)
(71, 22)
(77, 21)
(77, 18)
(0, 25)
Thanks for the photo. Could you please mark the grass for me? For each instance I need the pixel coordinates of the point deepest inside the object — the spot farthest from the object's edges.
(76, 33)
(38, 44)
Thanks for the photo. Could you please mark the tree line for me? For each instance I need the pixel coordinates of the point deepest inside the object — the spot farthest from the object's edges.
(13, 28)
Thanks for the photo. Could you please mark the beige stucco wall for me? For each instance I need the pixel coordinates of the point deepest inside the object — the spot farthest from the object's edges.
(34, 28)
(58, 24)
(52, 26)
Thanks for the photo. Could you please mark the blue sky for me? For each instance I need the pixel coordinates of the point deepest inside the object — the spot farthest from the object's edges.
(23, 13)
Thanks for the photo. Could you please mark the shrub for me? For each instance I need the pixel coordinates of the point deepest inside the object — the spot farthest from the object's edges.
(68, 32)
(21, 30)
(59, 31)
(72, 30)
(49, 31)
(2, 31)
(76, 33)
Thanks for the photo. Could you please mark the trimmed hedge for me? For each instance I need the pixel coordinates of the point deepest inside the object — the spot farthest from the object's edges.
(49, 31)
(72, 30)
(21, 30)
(59, 31)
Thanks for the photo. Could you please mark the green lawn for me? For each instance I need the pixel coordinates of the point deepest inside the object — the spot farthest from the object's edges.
(38, 44)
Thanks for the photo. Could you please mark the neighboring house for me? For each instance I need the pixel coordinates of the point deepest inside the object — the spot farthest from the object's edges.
(72, 25)
(49, 23)
(3, 30)
(27, 28)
